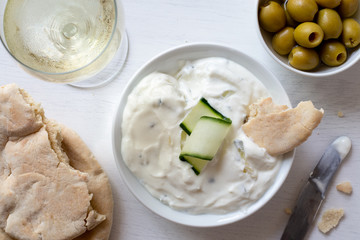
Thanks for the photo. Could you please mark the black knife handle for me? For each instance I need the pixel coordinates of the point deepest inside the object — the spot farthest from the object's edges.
(304, 213)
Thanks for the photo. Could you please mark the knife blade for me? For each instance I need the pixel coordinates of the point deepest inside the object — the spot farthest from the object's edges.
(313, 193)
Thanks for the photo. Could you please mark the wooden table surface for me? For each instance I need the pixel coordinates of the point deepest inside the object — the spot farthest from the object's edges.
(156, 25)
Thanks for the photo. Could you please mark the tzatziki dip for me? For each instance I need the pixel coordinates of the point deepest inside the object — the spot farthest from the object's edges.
(241, 171)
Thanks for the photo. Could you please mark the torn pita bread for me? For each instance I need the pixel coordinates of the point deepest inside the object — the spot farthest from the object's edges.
(4, 236)
(45, 192)
(81, 158)
(344, 187)
(330, 219)
(265, 106)
(279, 129)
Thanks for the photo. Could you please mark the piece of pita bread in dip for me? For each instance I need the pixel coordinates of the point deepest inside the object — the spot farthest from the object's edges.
(279, 129)
(46, 192)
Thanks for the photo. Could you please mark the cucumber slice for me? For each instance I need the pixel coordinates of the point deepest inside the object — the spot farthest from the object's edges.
(197, 163)
(203, 108)
(204, 141)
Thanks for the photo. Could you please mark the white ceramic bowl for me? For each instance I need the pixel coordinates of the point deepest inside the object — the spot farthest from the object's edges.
(167, 62)
(322, 70)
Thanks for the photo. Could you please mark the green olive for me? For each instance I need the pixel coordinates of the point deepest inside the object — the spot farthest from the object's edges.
(328, 3)
(347, 8)
(302, 10)
(303, 58)
(333, 53)
(330, 22)
(351, 33)
(308, 34)
(289, 20)
(272, 16)
(283, 41)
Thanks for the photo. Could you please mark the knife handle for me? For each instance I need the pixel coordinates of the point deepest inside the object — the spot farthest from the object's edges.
(304, 213)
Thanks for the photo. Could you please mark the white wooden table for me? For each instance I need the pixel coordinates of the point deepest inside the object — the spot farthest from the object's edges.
(156, 25)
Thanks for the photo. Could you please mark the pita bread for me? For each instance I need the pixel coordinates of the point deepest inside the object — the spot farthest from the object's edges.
(279, 129)
(344, 187)
(265, 106)
(81, 158)
(4, 236)
(330, 219)
(43, 195)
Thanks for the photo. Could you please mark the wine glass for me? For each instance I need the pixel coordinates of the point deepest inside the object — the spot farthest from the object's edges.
(81, 42)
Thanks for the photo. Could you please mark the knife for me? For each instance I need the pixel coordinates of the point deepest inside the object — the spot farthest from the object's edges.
(313, 193)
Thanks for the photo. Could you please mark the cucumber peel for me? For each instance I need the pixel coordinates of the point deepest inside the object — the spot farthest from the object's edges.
(197, 163)
(205, 140)
(202, 108)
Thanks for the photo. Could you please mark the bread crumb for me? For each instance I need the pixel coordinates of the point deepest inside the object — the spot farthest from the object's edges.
(330, 219)
(340, 114)
(344, 187)
(288, 211)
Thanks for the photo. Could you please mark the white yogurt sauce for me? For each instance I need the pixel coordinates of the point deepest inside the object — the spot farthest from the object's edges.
(342, 145)
(152, 138)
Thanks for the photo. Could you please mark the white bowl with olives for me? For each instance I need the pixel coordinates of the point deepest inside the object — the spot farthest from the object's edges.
(312, 37)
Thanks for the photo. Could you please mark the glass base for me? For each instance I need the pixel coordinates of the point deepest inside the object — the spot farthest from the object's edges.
(111, 70)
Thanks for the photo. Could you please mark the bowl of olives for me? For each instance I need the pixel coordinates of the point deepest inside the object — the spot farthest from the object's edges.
(312, 37)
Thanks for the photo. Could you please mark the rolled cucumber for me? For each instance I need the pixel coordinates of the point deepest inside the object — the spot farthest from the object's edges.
(197, 163)
(204, 141)
(203, 108)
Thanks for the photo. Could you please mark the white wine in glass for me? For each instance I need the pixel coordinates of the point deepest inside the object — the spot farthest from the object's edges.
(67, 41)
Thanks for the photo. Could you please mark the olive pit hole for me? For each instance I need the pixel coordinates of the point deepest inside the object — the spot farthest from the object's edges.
(312, 37)
(340, 57)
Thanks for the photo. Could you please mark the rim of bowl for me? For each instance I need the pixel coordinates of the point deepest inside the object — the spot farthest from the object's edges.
(319, 74)
(168, 213)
